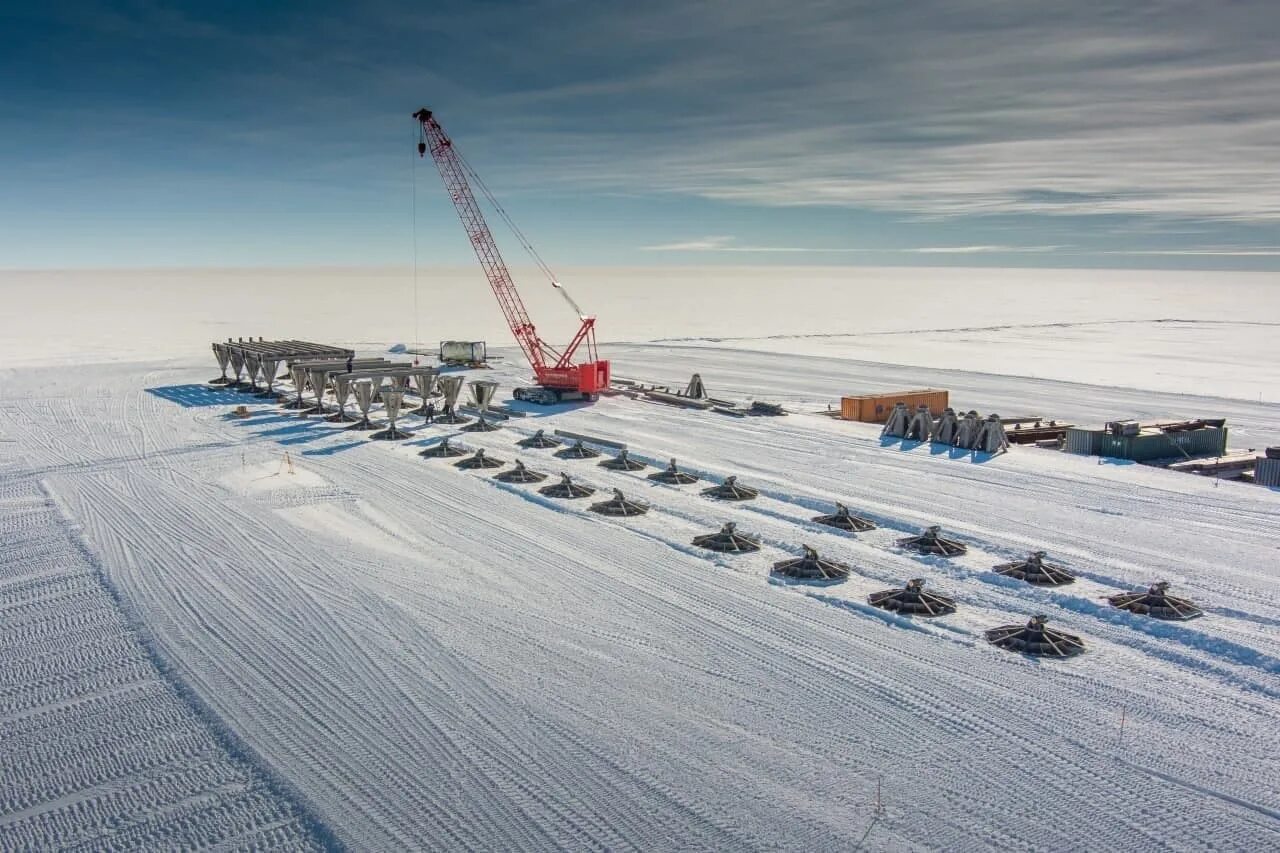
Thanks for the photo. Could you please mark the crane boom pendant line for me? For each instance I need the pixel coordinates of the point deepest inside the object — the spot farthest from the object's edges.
(554, 369)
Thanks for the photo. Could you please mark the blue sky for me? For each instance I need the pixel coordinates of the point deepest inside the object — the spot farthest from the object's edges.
(999, 133)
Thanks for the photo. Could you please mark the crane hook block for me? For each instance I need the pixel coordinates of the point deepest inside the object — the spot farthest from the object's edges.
(422, 149)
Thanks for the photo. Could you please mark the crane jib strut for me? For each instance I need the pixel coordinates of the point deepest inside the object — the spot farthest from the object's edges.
(553, 369)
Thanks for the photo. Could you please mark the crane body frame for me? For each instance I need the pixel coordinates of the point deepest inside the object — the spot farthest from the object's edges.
(555, 370)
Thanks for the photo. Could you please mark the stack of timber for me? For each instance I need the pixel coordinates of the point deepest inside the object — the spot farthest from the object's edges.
(1033, 430)
(1228, 465)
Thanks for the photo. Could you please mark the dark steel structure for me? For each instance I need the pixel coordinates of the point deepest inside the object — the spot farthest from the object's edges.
(622, 462)
(728, 540)
(673, 476)
(479, 460)
(1035, 638)
(567, 489)
(577, 450)
(1034, 570)
(913, 600)
(481, 425)
(811, 567)
(443, 450)
(620, 504)
(930, 541)
(520, 474)
(844, 520)
(729, 490)
(1156, 602)
(539, 441)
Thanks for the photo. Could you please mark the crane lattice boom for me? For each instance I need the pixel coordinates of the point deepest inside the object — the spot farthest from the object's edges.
(552, 368)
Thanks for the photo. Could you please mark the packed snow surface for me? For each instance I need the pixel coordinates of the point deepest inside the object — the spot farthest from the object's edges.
(100, 751)
(1218, 358)
(383, 652)
(205, 644)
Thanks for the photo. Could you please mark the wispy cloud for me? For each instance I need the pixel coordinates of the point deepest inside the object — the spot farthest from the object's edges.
(726, 244)
(1244, 252)
(723, 243)
(704, 244)
(980, 250)
(1160, 108)
(959, 127)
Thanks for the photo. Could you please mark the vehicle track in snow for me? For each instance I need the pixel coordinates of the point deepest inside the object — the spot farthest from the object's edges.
(100, 752)
(432, 659)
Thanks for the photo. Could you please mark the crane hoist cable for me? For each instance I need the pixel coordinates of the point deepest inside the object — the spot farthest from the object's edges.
(413, 177)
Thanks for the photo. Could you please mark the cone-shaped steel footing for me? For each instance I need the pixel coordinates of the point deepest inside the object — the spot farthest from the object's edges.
(577, 450)
(1156, 602)
(811, 567)
(479, 460)
(481, 425)
(913, 600)
(391, 434)
(673, 476)
(1034, 638)
(539, 441)
(620, 504)
(1034, 570)
(567, 489)
(443, 450)
(730, 490)
(520, 474)
(931, 542)
(728, 541)
(843, 520)
(622, 462)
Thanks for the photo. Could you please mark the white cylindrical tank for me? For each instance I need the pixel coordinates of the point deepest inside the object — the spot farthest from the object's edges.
(466, 352)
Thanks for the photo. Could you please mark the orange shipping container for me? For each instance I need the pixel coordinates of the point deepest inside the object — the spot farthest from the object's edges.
(875, 408)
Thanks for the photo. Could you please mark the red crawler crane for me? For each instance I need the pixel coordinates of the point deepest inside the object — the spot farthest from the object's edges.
(557, 375)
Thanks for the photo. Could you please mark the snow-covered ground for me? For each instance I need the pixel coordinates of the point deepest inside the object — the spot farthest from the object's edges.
(99, 749)
(1216, 358)
(812, 382)
(413, 656)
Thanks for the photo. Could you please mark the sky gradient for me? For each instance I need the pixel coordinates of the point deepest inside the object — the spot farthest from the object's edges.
(1000, 133)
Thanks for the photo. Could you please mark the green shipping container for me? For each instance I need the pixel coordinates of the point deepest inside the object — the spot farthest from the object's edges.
(1084, 440)
(1147, 446)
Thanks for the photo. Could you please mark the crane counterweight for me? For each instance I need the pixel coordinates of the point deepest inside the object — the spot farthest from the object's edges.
(556, 372)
